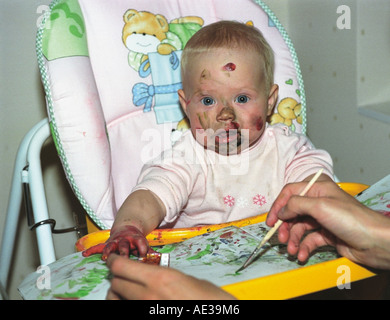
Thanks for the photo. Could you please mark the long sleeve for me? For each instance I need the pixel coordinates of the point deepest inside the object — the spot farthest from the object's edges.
(172, 177)
(303, 159)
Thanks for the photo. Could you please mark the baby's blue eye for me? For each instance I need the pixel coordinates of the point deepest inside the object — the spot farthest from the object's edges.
(242, 99)
(207, 101)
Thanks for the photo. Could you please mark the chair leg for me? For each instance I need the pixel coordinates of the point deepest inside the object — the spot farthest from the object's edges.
(16, 194)
(38, 197)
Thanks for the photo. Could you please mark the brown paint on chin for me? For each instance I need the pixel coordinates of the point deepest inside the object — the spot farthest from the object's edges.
(235, 125)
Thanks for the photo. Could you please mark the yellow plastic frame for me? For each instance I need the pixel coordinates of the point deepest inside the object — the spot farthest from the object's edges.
(284, 285)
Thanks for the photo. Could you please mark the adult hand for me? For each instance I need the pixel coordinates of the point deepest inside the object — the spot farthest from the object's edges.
(332, 217)
(133, 280)
(123, 239)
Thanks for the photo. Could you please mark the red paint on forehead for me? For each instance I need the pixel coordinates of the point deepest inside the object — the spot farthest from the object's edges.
(229, 67)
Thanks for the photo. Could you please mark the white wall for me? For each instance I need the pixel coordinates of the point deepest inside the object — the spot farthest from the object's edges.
(328, 56)
(359, 145)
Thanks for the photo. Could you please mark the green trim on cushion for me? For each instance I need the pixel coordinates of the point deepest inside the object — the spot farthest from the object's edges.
(46, 23)
(288, 41)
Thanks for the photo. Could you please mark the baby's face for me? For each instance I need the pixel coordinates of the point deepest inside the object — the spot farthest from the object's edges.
(225, 100)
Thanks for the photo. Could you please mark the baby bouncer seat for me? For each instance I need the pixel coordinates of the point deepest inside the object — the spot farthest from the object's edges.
(111, 71)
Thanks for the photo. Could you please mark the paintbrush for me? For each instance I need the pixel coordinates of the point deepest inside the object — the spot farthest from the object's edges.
(276, 226)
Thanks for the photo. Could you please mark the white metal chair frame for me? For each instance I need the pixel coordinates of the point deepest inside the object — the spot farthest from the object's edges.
(28, 175)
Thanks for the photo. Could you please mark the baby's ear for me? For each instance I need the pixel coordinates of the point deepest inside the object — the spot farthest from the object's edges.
(272, 98)
(182, 99)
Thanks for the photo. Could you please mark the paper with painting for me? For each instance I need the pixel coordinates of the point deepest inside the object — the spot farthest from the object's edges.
(213, 256)
(377, 197)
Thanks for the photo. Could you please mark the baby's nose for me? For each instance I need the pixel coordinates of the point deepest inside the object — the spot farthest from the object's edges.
(226, 114)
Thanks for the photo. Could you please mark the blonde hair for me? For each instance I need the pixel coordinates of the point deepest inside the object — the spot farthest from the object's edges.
(230, 34)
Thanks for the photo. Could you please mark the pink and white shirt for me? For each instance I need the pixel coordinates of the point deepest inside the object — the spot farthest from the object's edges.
(201, 187)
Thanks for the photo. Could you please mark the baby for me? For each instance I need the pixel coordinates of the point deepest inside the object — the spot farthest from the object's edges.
(231, 164)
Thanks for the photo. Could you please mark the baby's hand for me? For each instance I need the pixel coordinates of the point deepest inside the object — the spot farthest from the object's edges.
(123, 239)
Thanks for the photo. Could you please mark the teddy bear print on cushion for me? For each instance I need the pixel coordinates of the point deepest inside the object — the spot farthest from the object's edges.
(155, 48)
(145, 32)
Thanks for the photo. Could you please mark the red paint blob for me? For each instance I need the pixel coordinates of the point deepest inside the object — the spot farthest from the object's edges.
(226, 235)
(259, 124)
(229, 66)
(235, 125)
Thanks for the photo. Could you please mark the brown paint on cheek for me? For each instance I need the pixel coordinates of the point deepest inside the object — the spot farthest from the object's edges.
(259, 124)
(202, 117)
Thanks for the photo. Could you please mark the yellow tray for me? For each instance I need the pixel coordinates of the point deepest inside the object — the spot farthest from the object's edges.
(161, 237)
(284, 285)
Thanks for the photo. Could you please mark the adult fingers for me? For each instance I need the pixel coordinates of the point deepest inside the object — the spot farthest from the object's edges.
(111, 295)
(311, 242)
(299, 206)
(123, 288)
(280, 201)
(131, 279)
(297, 231)
(288, 191)
(130, 269)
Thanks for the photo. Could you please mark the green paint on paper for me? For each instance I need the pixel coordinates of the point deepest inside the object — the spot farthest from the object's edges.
(200, 254)
(165, 249)
(89, 281)
(90, 259)
(375, 199)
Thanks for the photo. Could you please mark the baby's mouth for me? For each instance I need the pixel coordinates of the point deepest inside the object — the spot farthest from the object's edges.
(227, 136)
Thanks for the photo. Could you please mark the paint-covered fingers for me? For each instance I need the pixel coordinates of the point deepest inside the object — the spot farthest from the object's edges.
(124, 247)
(124, 240)
(111, 247)
(102, 248)
(141, 246)
(105, 249)
(97, 249)
(130, 240)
